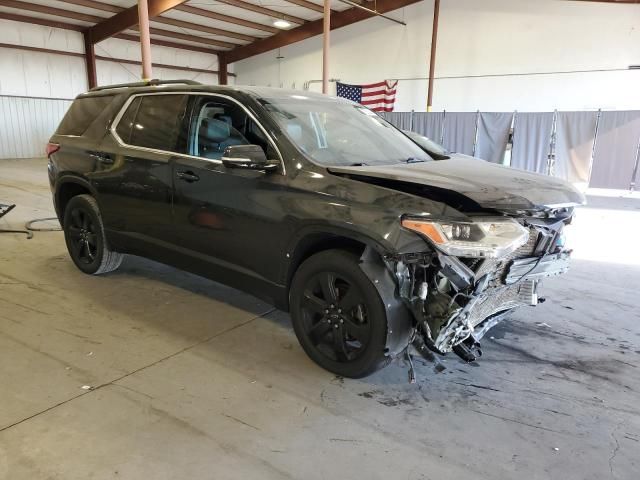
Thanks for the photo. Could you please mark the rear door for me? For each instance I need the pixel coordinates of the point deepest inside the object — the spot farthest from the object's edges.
(136, 191)
(230, 218)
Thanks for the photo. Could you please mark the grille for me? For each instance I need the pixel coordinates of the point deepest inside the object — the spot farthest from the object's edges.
(496, 301)
(498, 297)
(499, 265)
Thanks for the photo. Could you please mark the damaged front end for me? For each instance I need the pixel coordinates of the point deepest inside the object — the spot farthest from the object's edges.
(475, 274)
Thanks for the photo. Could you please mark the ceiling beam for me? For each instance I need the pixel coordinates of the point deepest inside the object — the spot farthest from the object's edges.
(204, 28)
(128, 18)
(80, 28)
(188, 25)
(164, 43)
(33, 7)
(311, 29)
(58, 12)
(309, 5)
(105, 7)
(265, 11)
(226, 18)
(41, 21)
(189, 38)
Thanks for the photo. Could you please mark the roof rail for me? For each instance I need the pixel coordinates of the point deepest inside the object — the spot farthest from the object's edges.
(148, 83)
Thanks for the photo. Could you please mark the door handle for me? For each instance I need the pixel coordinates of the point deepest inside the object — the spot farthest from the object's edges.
(188, 176)
(101, 157)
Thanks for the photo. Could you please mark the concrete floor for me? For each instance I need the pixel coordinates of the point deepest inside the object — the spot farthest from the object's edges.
(191, 379)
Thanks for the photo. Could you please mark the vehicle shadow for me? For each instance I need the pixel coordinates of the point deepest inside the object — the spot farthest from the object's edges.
(567, 334)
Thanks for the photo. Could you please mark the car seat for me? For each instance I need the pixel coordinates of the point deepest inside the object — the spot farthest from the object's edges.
(215, 136)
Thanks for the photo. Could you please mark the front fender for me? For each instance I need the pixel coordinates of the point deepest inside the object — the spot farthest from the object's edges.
(399, 319)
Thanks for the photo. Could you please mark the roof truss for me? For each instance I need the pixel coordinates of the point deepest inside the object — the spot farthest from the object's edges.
(244, 38)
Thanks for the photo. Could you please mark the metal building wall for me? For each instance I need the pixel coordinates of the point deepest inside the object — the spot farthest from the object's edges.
(34, 85)
(27, 123)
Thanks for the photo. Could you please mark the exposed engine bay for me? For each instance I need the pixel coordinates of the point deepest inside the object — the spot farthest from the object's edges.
(456, 300)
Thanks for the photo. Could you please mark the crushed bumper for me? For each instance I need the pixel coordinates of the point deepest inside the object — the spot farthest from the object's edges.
(455, 300)
(534, 268)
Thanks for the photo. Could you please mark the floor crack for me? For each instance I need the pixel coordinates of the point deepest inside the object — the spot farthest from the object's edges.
(615, 450)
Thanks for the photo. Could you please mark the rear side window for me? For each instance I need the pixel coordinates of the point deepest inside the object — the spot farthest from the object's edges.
(153, 121)
(81, 114)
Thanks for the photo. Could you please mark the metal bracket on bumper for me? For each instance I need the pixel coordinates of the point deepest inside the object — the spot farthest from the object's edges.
(534, 268)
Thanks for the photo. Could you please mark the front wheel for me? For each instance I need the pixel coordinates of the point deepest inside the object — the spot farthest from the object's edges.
(338, 315)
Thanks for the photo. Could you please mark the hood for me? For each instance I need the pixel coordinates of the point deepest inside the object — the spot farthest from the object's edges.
(487, 184)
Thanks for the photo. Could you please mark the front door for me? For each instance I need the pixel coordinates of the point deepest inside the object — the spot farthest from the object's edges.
(228, 220)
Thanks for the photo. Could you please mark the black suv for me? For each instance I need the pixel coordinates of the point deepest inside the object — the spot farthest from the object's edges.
(313, 203)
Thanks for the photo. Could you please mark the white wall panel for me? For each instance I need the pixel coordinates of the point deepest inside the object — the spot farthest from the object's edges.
(479, 38)
(29, 35)
(111, 72)
(26, 124)
(36, 74)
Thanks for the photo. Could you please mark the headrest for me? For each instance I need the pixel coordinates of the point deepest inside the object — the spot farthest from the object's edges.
(295, 131)
(216, 131)
(223, 117)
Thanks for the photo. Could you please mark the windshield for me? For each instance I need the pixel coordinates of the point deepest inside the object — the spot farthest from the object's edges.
(340, 133)
(429, 145)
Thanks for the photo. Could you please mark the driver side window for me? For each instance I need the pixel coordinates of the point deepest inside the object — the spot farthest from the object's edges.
(217, 123)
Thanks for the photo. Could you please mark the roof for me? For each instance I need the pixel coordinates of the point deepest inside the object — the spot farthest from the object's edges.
(189, 85)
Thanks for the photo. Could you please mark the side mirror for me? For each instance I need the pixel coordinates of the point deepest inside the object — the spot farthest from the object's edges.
(247, 156)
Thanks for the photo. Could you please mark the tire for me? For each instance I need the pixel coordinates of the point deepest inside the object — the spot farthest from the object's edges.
(338, 316)
(85, 239)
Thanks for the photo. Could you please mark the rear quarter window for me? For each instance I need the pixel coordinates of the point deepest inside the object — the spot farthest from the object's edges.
(82, 113)
(153, 121)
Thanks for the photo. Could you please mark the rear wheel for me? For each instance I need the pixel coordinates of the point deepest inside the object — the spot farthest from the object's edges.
(85, 239)
(338, 315)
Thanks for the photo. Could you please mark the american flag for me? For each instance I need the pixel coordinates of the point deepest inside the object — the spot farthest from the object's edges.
(378, 97)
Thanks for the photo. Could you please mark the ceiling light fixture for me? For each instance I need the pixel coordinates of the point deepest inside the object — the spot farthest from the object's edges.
(281, 23)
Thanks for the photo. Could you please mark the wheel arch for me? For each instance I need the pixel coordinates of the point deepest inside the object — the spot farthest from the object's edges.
(69, 186)
(314, 240)
(371, 254)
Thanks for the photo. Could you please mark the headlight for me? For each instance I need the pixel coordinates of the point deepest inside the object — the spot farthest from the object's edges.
(482, 237)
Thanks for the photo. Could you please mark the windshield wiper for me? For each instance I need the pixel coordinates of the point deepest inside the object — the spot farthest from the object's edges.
(358, 164)
(414, 160)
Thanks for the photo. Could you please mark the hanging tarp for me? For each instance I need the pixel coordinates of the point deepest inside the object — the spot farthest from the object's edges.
(531, 141)
(575, 134)
(460, 132)
(402, 120)
(493, 136)
(616, 149)
(429, 124)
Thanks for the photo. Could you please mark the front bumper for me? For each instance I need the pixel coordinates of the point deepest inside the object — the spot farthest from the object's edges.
(455, 300)
(534, 268)
(515, 285)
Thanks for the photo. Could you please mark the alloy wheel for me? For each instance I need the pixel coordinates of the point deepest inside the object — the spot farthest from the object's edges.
(84, 239)
(335, 317)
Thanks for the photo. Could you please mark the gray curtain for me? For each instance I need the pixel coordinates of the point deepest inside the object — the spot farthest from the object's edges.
(459, 132)
(429, 124)
(402, 120)
(575, 133)
(531, 141)
(493, 136)
(616, 149)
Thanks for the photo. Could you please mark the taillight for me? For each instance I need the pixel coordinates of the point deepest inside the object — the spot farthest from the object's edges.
(52, 148)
